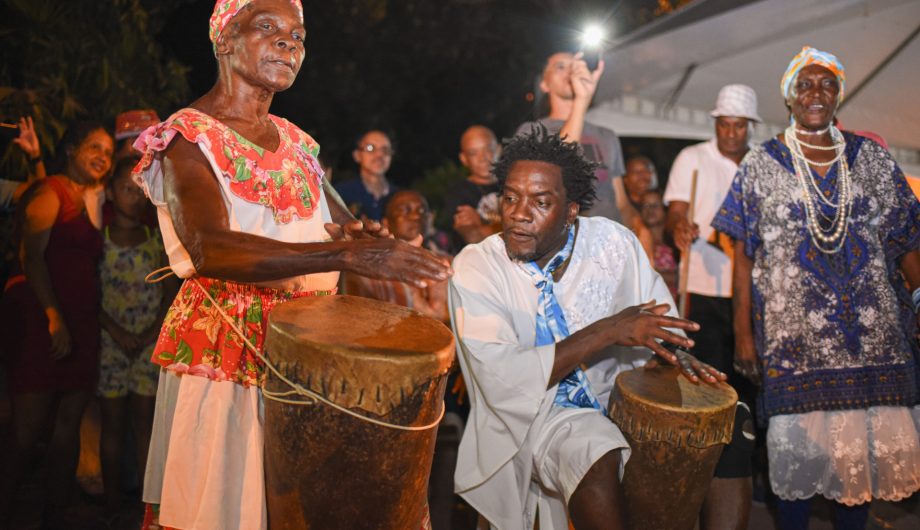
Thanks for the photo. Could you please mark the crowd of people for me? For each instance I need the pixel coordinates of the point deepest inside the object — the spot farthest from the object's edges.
(796, 263)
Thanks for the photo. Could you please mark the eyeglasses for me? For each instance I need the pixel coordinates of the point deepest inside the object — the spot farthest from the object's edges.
(371, 148)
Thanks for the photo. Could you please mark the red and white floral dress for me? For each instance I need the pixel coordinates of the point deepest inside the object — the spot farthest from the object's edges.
(205, 463)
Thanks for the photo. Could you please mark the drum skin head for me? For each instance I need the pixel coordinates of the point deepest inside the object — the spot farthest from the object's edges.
(698, 414)
(669, 389)
(358, 352)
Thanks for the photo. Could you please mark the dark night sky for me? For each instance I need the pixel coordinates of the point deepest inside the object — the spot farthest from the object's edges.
(423, 70)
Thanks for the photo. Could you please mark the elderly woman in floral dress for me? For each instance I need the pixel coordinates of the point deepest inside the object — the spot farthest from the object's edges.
(245, 219)
(826, 256)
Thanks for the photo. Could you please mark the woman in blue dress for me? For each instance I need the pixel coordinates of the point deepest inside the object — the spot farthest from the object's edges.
(826, 258)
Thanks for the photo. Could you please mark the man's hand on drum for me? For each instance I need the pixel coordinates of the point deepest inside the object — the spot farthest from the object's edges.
(392, 259)
(645, 325)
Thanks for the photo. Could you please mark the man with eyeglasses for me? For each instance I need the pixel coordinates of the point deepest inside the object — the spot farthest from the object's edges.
(366, 195)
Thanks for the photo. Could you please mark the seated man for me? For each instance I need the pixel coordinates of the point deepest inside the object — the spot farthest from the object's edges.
(546, 313)
(405, 215)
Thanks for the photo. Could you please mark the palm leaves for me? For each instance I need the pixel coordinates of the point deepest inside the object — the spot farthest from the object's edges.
(84, 59)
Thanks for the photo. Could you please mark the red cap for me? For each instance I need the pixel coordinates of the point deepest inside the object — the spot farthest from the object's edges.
(134, 122)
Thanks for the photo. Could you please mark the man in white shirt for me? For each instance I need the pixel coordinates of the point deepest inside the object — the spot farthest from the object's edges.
(715, 162)
(546, 313)
(709, 282)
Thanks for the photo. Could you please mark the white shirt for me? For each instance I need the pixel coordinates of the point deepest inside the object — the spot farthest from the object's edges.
(243, 216)
(710, 268)
(493, 312)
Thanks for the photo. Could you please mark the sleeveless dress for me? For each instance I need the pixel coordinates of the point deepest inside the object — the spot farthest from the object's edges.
(134, 304)
(205, 467)
(73, 251)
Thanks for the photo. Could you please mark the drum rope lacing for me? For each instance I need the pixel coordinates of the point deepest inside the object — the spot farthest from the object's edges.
(310, 397)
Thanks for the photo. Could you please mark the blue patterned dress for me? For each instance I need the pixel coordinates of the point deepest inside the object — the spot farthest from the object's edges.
(834, 332)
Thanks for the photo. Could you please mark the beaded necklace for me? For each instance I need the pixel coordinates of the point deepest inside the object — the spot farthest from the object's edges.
(829, 240)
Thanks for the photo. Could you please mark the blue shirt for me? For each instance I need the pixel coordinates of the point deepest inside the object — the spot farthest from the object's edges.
(360, 201)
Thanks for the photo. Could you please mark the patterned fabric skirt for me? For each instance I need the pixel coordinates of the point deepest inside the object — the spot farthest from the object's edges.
(207, 434)
(201, 331)
(848, 456)
(205, 467)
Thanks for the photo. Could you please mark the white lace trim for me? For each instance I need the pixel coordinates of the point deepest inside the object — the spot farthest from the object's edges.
(849, 456)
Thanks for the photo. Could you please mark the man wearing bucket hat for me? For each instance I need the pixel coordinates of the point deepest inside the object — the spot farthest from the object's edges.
(710, 272)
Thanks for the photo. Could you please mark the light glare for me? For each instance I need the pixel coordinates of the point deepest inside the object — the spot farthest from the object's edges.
(592, 36)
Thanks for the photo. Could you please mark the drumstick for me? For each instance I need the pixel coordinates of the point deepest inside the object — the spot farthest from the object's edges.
(685, 258)
(9, 125)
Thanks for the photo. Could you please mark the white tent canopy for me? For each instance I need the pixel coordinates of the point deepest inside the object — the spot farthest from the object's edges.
(662, 80)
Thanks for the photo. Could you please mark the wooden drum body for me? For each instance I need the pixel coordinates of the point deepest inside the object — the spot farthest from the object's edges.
(676, 430)
(325, 469)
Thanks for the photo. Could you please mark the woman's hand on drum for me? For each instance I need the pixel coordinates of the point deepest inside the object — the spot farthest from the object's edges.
(391, 259)
(357, 230)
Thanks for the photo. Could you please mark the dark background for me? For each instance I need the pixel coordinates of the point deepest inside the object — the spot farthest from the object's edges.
(422, 70)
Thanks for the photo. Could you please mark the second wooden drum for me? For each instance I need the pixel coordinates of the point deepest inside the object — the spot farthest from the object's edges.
(676, 430)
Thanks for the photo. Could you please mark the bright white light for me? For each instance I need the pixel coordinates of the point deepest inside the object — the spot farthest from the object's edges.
(592, 36)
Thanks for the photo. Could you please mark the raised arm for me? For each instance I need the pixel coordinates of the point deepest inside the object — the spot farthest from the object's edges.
(28, 142)
(584, 84)
(196, 206)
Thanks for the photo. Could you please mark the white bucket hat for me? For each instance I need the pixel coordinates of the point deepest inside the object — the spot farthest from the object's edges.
(738, 101)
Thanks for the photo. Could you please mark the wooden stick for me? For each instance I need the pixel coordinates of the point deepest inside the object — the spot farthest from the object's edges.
(685, 258)
(9, 125)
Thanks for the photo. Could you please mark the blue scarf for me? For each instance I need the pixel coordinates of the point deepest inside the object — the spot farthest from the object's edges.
(574, 390)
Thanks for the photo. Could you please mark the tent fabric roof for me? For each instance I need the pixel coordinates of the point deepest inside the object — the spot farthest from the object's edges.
(752, 42)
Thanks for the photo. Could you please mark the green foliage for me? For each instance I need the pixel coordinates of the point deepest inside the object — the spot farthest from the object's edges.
(84, 59)
(435, 184)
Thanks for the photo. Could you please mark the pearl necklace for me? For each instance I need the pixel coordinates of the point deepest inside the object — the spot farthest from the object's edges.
(829, 240)
(813, 133)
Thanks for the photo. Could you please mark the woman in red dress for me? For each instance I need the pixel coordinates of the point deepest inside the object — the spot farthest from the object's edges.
(49, 315)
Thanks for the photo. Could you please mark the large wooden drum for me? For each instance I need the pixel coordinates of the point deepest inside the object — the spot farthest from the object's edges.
(326, 469)
(676, 430)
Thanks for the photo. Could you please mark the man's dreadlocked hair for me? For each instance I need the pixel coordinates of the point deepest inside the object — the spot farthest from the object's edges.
(540, 146)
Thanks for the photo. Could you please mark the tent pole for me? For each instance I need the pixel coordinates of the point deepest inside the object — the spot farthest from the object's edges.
(675, 94)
